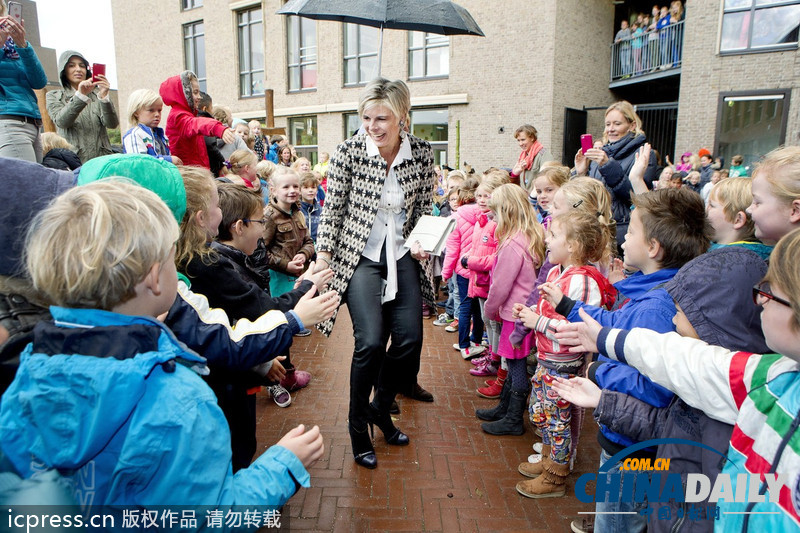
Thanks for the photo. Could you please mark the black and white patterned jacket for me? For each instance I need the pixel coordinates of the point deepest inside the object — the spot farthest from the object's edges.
(355, 183)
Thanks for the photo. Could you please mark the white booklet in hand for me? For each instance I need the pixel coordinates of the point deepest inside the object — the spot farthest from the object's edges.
(431, 232)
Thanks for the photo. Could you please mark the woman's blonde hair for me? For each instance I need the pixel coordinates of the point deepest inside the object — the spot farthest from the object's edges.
(514, 214)
(590, 196)
(296, 165)
(558, 175)
(138, 99)
(528, 130)
(735, 195)
(627, 110)
(784, 274)
(392, 94)
(781, 169)
(237, 161)
(95, 243)
(193, 241)
(51, 140)
(586, 232)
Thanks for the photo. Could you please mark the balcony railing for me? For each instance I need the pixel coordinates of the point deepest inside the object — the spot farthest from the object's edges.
(651, 52)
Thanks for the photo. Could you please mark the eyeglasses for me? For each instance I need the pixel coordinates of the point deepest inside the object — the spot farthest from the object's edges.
(262, 221)
(761, 294)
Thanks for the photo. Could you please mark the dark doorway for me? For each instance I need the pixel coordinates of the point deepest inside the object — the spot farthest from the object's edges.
(659, 122)
(575, 122)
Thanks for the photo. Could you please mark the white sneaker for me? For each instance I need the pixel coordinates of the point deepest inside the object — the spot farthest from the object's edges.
(537, 447)
(280, 395)
(456, 347)
(472, 351)
(535, 457)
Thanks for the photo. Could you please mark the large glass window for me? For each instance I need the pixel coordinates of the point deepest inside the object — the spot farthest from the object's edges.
(428, 55)
(303, 135)
(302, 47)
(191, 4)
(751, 125)
(251, 52)
(194, 51)
(759, 25)
(352, 122)
(431, 125)
(360, 53)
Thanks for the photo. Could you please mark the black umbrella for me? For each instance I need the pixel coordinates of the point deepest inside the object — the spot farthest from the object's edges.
(432, 16)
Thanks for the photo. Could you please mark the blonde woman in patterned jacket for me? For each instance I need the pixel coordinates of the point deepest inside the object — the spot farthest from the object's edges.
(379, 183)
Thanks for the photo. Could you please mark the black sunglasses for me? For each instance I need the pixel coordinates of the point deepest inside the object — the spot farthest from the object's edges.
(761, 292)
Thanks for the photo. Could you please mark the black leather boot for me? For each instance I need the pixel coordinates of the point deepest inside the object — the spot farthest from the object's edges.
(498, 411)
(511, 424)
(392, 435)
(363, 452)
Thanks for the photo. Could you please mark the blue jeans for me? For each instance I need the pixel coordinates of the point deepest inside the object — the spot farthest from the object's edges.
(20, 140)
(618, 523)
(468, 310)
(453, 298)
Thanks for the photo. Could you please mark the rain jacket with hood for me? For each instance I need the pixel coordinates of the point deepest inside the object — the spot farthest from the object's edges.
(83, 124)
(185, 130)
(722, 314)
(115, 403)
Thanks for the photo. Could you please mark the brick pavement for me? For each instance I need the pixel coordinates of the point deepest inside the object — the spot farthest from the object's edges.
(452, 477)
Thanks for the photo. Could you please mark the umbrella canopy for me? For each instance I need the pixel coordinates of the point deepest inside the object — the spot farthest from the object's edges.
(433, 16)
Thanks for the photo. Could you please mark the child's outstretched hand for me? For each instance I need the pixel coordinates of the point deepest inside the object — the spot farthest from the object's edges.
(551, 293)
(579, 391)
(313, 310)
(229, 136)
(319, 278)
(616, 271)
(306, 445)
(276, 372)
(528, 317)
(582, 336)
(515, 310)
(295, 266)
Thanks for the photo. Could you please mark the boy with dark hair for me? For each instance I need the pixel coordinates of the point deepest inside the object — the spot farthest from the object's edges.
(668, 228)
(706, 166)
(309, 184)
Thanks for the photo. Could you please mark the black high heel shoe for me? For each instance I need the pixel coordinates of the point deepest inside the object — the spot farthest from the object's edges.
(393, 436)
(363, 452)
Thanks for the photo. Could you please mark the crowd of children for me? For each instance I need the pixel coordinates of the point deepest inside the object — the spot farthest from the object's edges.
(535, 292)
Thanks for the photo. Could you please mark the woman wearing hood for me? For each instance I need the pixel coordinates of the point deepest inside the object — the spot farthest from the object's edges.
(185, 130)
(82, 110)
(20, 74)
(612, 163)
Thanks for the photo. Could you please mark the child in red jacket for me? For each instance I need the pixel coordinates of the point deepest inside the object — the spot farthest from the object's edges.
(185, 130)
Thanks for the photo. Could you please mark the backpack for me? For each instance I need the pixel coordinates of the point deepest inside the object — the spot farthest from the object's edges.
(608, 293)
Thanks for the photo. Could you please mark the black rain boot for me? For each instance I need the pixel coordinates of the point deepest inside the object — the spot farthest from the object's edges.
(511, 424)
(498, 411)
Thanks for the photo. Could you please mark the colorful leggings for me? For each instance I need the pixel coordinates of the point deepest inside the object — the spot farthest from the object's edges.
(552, 414)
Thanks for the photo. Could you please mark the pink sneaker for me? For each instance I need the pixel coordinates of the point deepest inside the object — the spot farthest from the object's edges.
(487, 369)
(482, 360)
(295, 379)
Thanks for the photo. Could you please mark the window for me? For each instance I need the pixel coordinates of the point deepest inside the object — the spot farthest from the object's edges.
(191, 4)
(194, 51)
(251, 52)
(303, 135)
(352, 122)
(431, 125)
(428, 55)
(753, 25)
(751, 124)
(360, 53)
(302, 46)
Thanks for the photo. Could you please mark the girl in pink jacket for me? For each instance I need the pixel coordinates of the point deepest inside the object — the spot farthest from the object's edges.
(459, 245)
(520, 251)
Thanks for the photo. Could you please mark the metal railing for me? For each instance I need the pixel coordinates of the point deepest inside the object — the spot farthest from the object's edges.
(651, 51)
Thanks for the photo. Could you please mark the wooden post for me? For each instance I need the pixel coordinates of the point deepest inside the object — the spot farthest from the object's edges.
(269, 106)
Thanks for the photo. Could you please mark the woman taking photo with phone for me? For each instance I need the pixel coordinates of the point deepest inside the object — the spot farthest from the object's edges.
(82, 110)
(612, 162)
(20, 74)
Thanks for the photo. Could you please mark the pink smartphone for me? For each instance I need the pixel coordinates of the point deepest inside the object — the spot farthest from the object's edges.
(98, 69)
(586, 142)
(15, 10)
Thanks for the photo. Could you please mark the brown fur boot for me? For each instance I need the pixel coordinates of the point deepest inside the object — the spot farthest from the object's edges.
(534, 470)
(551, 484)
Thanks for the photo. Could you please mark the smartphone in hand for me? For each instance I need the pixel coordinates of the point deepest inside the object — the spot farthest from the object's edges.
(15, 10)
(586, 142)
(98, 69)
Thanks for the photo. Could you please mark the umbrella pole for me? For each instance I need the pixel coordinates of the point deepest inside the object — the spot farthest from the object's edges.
(380, 53)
